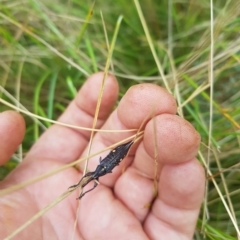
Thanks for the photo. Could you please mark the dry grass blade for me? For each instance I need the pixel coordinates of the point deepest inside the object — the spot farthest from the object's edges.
(151, 45)
(98, 106)
(220, 194)
(60, 123)
(43, 176)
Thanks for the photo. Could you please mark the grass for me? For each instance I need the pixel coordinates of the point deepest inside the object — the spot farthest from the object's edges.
(48, 48)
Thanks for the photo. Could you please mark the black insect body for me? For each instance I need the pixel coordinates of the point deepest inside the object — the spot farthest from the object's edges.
(105, 166)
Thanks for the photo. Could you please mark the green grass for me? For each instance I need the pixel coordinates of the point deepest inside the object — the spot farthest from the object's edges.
(48, 48)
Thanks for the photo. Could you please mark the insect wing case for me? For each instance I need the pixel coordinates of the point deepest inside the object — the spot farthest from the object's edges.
(114, 158)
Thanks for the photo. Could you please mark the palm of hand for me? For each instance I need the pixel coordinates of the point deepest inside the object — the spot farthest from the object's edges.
(115, 209)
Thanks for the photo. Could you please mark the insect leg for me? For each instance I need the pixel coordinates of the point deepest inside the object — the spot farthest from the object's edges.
(82, 194)
(86, 175)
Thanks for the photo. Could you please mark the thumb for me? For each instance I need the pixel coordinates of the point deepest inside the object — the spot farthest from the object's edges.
(12, 129)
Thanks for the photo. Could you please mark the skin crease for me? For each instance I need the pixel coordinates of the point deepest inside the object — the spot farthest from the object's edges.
(115, 209)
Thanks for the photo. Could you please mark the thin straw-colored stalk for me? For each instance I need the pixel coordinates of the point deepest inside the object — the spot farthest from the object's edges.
(49, 174)
(211, 82)
(103, 83)
(151, 45)
(60, 123)
(220, 194)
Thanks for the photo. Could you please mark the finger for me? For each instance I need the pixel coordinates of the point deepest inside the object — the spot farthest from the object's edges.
(66, 144)
(175, 211)
(177, 142)
(130, 114)
(12, 129)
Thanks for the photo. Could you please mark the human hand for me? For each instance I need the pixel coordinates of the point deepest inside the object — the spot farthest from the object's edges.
(116, 209)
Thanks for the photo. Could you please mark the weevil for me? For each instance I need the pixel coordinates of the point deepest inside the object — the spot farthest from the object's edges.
(105, 166)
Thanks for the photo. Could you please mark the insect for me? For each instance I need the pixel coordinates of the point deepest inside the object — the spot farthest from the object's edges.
(105, 166)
